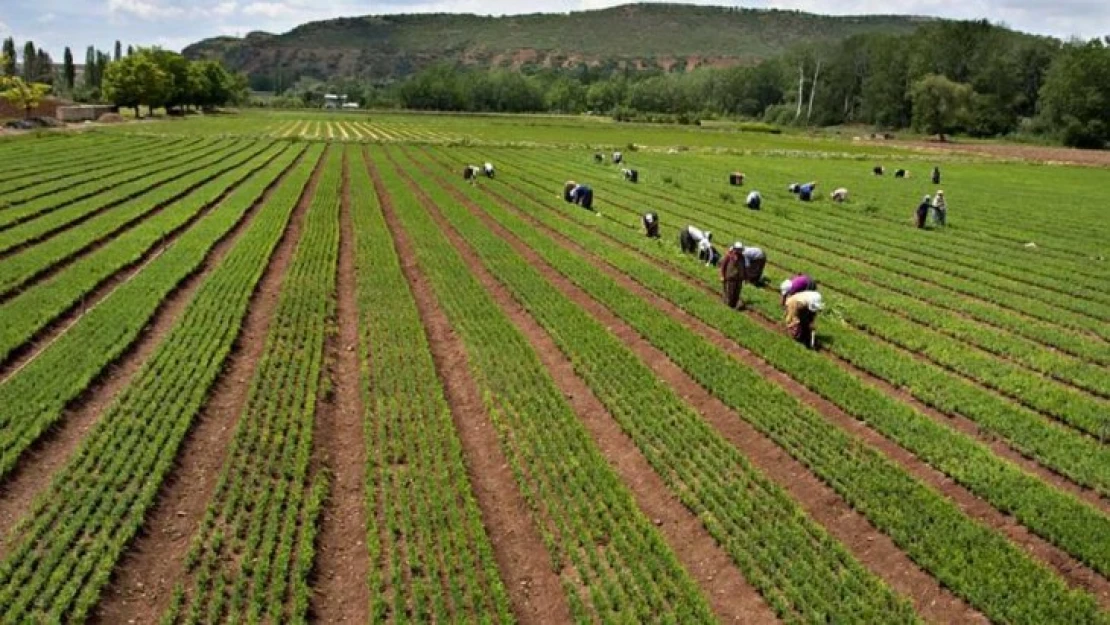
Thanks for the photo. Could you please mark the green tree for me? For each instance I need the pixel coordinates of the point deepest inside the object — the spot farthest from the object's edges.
(69, 70)
(137, 81)
(118, 53)
(1075, 98)
(44, 67)
(30, 55)
(939, 104)
(90, 78)
(22, 94)
(8, 53)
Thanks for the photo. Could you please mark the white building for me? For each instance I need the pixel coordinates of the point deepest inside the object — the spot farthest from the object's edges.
(333, 101)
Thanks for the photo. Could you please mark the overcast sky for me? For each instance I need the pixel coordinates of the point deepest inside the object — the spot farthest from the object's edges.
(173, 24)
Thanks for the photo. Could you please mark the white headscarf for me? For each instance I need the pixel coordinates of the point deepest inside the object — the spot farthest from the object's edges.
(784, 288)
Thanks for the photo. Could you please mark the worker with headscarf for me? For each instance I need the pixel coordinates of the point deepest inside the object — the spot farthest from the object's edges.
(877, 170)
(805, 191)
(693, 240)
(470, 172)
(923, 211)
(936, 175)
(579, 194)
(732, 275)
(795, 285)
(487, 169)
(618, 158)
(901, 173)
(736, 178)
(754, 201)
(631, 175)
(801, 317)
(651, 225)
(840, 195)
(940, 209)
(754, 263)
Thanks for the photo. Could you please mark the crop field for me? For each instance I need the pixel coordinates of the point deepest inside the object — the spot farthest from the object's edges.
(293, 367)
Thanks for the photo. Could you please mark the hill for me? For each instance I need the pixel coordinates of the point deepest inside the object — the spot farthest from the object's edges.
(666, 36)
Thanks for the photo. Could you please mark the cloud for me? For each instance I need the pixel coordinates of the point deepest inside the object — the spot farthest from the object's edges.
(46, 18)
(145, 9)
(270, 9)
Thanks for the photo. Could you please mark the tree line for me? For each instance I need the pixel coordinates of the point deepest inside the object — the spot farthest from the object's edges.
(150, 77)
(967, 77)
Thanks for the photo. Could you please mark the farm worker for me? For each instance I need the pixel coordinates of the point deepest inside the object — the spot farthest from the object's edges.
(794, 188)
(923, 211)
(940, 209)
(795, 285)
(801, 316)
(470, 172)
(631, 175)
(901, 173)
(732, 275)
(651, 225)
(488, 170)
(617, 158)
(805, 192)
(877, 170)
(754, 262)
(736, 178)
(579, 194)
(754, 201)
(936, 175)
(598, 158)
(693, 241)
(840, 195)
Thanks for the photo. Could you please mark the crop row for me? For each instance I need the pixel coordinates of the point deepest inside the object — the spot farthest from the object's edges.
(23, 267)
(63, 552)
(58, 152)
(251, 556)
(50, 218)
(83, 172)
(1031, 389)
(752, 518)
(995, 306)
(40, 304)
(427, 545)
(961, 553)
(1080, 458)
(613, 563)
(956, 246)
(1057, 516)
(68, 191)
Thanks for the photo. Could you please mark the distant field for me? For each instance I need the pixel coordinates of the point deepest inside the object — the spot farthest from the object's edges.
(287, 367)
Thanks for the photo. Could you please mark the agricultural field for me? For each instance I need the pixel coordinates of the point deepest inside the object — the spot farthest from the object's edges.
(293, 367)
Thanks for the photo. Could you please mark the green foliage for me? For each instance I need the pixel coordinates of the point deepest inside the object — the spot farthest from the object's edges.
(7, 58)
(22, 94)
(1075, 98)
(939, 104)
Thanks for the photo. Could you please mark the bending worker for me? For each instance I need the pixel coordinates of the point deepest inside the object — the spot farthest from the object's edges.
(651, 225)
(732, 275)
(940, 209)
(805, 191)
(755, 200)
(798, 284)
(470, 172)
(488, 170)
(840, 195)
(579, 194)
(754, 263)
(631, 175)
(923, 211)
(693, 241)
(801, 317)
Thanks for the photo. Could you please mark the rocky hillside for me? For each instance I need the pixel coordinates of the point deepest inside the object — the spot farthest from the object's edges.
(667, 36)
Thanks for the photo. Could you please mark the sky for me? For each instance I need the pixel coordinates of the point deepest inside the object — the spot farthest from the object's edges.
(173, 24)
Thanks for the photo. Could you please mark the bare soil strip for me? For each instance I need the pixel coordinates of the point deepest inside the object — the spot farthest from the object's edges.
(730, 595)
(340, 593)
(145, 577)
(534, 589)
(1070, 569)
(36, 469)
(959, 422)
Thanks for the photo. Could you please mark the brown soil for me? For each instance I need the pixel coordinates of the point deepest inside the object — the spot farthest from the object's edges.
(535, 591)
(730, 595)
(38, 466)
(340, 594)
(1034, 153)
(1074, 572)
(874, 549)
(145, 577)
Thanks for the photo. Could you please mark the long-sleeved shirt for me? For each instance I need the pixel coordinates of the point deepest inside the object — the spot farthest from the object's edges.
(732, 264)
(752, 254)
(797, 308)
(703, 244)
(754, 198)
(840, 194)
(798, 284)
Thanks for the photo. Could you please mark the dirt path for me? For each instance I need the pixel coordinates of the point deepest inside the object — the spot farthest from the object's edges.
(38, 466)
(1049, 155)
(535, 591)
(1070, 569)
(145, 577)
(730, 595)
(340, 593)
